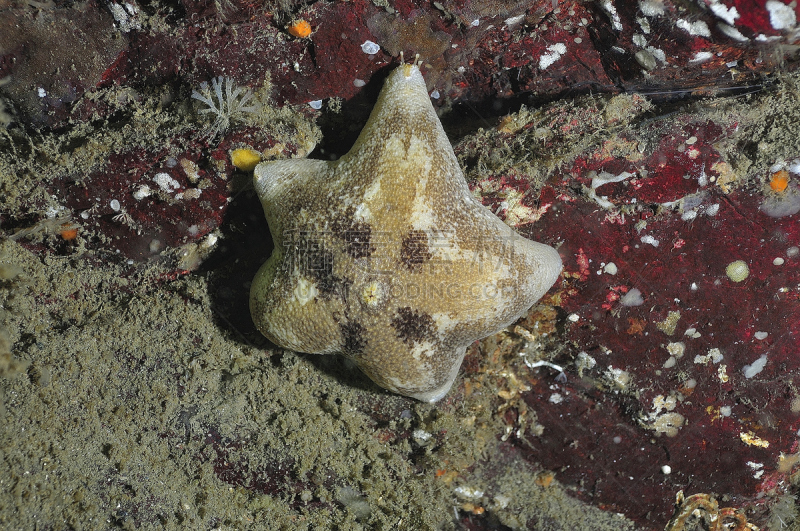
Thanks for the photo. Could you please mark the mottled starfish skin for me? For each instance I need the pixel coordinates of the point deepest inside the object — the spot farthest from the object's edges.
(385, 256)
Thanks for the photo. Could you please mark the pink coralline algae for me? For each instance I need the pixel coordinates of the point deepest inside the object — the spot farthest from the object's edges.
(679, 323)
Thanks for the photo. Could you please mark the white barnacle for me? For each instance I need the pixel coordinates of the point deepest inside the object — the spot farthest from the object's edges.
(229, 104)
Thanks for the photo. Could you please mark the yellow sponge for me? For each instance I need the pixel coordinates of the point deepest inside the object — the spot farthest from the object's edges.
(245, 159)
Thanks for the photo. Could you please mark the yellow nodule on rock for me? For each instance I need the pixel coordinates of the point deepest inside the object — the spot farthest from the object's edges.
(245, 159)
(737, 271)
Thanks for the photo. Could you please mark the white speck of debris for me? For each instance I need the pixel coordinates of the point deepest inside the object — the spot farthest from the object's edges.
(658, 53)
(778, 166)
(728, 14)
(639, 40)
(692, 333)
(650, 240)
(714, 356)
(126, 17)
(370, 48)
(114, 204)
(792, 251)
(601, 200)
(661, 402)
(698, 27)
(193, 230)
(573, 317)
(632, 298)
(676, 349)
(731, 64)
(666, 470)
(610, 268)
(725, 411)
(618, 376)
(778, 261)
(41, 92)
(210, 241)
(315, 104)
(652, 8)
(700, 57)
(192, 193)
(119, 14)
(85, 214)
(421, 435)
(794, 167)
(755, 367)
(543, 363)
(711, 210)
(605, 177)
(754, 465)
(556, 398)
(501, 501)
(781, 16)
(166, 182)
(52, 212)
(514, 20)
(761, 335)
(435, 94)
(556, 51)
(585, 361)
(468, 492)
(142, 192)
(732, 32)
(609, 8)
(359, 83)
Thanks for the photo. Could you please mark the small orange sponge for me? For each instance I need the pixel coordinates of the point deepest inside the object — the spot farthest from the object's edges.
(299, 28)
(68, 232)
(779, 180)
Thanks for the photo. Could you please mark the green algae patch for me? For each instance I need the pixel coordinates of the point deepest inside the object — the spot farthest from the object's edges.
(133, 404)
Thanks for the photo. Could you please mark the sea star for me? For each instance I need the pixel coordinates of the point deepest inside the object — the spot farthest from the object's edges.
(385, 256)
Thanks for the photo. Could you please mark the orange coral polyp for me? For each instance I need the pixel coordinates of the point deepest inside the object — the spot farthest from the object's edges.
(300, 29)
(779, 181)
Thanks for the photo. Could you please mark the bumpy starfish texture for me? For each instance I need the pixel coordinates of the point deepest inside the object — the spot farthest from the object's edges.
(385, 256)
